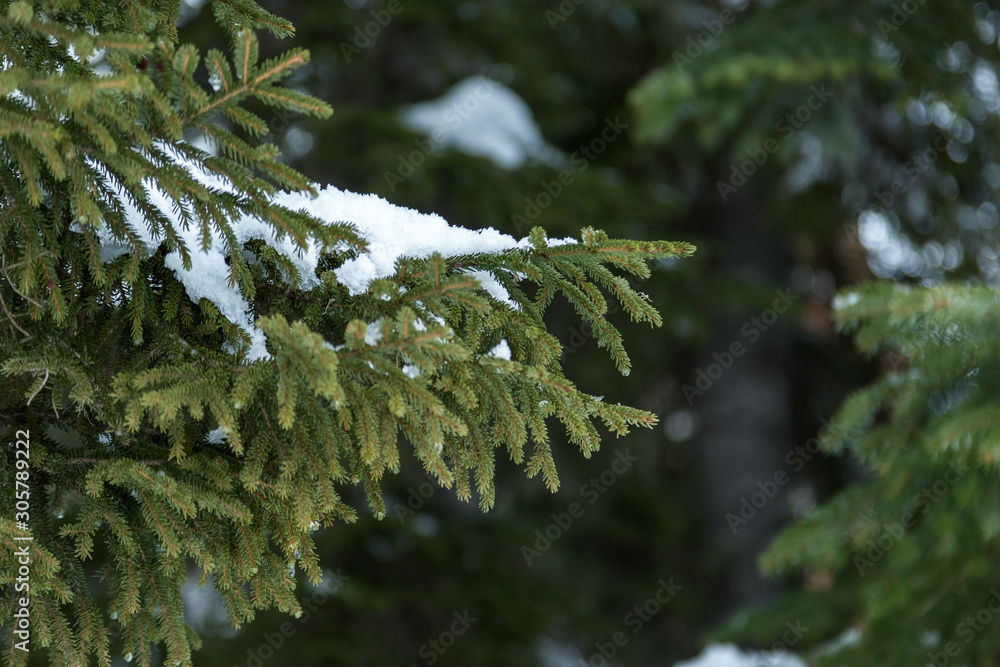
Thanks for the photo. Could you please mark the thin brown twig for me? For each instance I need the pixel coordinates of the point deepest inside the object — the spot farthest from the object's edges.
(10, 316)
(40, 387)
(3, 270)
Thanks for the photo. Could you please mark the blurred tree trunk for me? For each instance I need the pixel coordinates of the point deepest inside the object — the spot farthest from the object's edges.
(747, 420)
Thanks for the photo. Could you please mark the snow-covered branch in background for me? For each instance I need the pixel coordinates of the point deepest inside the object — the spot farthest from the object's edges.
(728, 655)
(479, 116)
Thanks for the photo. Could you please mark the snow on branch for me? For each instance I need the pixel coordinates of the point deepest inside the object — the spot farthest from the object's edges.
(391, 232)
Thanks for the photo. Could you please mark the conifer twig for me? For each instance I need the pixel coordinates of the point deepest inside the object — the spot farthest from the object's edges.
(44, 381)
(10, 317)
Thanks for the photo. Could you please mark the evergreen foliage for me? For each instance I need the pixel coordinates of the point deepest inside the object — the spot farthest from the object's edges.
(912, 547)
(154, 435)
(766, 61)
(903, 556)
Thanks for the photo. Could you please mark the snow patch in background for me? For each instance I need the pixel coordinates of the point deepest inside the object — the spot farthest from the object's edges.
(483, 118)
(502, 350)
(848, 637)
(217, 436)
(553, 653)
(728, 655)
(204, 608)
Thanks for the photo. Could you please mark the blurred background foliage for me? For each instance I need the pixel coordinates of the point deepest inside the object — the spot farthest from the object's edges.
(912, 104)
